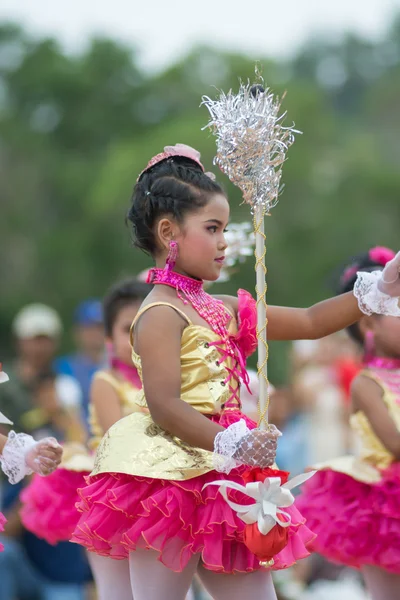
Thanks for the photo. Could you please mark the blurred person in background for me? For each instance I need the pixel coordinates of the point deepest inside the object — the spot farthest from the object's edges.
(352, 503)
(319, 394)
(36, 399)
(293, 453)
(49, 505)
(90, 354)
(37, 329)
(41, 403)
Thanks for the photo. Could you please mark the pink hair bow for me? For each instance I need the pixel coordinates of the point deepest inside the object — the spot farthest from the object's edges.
(170, 151)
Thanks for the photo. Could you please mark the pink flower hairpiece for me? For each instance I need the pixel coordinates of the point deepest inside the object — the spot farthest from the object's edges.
(171, 151)
(380, 255)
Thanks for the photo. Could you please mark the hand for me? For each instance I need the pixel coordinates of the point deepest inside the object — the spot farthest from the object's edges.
(44, 456)
(258, 448)
(389, 283)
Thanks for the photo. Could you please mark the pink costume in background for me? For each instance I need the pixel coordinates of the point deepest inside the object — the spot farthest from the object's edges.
(146, 490)
(353, 503)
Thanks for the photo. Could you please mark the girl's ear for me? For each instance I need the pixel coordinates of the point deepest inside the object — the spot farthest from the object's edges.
(166, 231)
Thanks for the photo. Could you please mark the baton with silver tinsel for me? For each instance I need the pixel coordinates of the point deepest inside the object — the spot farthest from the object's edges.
(251, 149)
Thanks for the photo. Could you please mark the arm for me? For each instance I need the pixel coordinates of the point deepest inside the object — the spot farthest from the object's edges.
(376, 292)
(106, 403)
(366, 396)
(158, 342)
(315, 322)
(318, 321)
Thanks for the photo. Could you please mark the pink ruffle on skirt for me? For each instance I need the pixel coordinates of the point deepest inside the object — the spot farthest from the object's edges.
(48, 505)
(3, 521)
(356, 523)
(177, 519)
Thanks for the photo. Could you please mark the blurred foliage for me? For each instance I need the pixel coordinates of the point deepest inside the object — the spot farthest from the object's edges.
(76, 129)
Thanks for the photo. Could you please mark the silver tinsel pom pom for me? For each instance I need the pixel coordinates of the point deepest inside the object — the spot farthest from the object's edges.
(251, 141)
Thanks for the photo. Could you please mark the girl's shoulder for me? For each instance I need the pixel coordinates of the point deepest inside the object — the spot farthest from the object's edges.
(365, 389)
(108, 375)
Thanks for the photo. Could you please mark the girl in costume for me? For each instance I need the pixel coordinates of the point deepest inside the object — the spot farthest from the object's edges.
(352, 503)
(21, 455)
(48, 505)
(146, 498)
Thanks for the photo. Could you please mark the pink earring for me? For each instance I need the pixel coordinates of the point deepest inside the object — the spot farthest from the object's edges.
(172, 256)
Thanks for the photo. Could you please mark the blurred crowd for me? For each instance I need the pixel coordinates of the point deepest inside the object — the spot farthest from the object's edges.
(49, 394)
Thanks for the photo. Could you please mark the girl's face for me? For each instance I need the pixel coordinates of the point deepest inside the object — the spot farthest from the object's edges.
(386, 332)
(120, 340)
(201, 240)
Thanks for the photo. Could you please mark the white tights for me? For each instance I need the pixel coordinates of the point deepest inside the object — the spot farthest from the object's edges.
(381, 584)
(151, 580)
(144, 577)
(112, 578)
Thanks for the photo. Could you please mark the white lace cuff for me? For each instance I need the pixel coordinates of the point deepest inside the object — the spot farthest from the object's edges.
(13, 458)
(370, 299)
(226, 444)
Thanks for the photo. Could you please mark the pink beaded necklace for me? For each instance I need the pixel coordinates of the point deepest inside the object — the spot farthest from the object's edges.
(388, 370)
(191, 291)
(213, 311)
(382, 362)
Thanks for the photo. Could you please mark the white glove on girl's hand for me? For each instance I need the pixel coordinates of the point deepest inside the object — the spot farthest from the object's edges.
(378, 292)
(238, 445)
(258, 448)
(22, 456)
(44, 457)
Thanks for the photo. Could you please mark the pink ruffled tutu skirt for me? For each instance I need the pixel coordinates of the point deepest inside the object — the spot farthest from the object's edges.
(3, 521)
(356, 523)
(177, 519)
(48, 505)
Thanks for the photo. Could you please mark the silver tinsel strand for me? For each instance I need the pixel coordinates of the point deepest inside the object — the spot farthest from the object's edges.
(241, 240)
(251, 142)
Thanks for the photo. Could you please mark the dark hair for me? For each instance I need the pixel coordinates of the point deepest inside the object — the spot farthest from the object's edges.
(174, 186)
(121, 294)
(362, 262)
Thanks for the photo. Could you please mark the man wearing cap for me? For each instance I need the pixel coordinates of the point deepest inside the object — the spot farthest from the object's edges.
(37, 329)
(89, 339)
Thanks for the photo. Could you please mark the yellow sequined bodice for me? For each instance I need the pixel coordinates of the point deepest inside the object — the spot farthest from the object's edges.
(372, 455)
(127, 394)
(136, 446)
(372, 450)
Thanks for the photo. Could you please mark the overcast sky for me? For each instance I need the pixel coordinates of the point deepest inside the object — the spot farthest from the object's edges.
(163, 30)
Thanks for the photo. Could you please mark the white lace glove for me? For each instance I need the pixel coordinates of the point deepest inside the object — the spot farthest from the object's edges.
(378, 292)
(23, 456)
(238, 445)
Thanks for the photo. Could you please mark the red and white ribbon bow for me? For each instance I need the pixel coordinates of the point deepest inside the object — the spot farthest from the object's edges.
(270, 498)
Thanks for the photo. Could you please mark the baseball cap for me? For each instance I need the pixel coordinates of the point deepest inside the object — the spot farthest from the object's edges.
(37, 319)
(89, 312)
